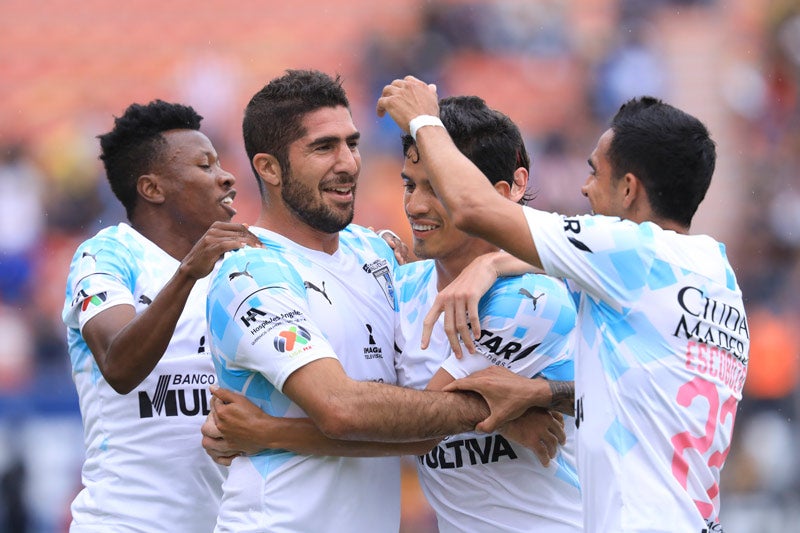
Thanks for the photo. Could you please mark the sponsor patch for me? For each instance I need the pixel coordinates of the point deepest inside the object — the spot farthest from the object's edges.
(291, 339)
(97, 299)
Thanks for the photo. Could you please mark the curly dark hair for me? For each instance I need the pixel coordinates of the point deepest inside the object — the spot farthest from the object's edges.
(135, 145)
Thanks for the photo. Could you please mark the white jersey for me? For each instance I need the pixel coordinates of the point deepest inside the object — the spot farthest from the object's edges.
(658, 371)
(270, 312)
(486, 483)
(145, 468)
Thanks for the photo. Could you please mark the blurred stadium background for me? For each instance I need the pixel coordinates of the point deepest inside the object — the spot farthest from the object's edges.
(560, 68)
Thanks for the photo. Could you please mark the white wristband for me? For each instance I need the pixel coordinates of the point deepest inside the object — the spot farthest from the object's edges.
(421, 121)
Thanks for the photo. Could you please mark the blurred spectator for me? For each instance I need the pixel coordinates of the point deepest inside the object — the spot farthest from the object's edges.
(21, 190)
(13, 514)
(774, 368)
(67, 155)
(632, 68)
(16, 352)
(558, 171)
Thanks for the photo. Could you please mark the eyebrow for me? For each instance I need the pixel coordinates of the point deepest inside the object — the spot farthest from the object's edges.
(334, 138)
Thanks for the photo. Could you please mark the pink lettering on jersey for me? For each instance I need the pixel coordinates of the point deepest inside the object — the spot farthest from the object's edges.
(685, 443)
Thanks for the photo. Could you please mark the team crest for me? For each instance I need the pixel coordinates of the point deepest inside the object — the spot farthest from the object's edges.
(380, 270)
(384, 279)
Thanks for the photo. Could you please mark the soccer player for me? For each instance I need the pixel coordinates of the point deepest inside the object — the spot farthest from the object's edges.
(136, 330)
(663, 339)
(305, 326)
(525, 327)
(477, 481)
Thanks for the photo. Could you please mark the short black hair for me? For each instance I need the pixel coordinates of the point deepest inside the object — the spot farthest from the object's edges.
(487, 137)
(273, 117)
(668, 150)
(135, 145)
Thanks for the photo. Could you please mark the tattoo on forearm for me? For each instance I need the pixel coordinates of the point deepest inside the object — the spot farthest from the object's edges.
(563, 395)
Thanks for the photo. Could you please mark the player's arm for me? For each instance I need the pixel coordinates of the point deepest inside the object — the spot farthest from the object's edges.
(465, 192)
(538, 429)
(128, 346)
(237, 426)
(354, 410)
(510, 395)
(459, 300)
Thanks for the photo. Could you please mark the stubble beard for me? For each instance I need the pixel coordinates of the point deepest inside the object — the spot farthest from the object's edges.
(301, 201)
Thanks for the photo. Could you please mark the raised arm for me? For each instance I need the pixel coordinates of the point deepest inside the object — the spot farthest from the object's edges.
(128, 346)
(236, 426)
(466, 193)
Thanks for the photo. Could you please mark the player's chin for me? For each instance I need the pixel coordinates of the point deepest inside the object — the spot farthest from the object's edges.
(420, 250)
(224, 215)
(228, 211)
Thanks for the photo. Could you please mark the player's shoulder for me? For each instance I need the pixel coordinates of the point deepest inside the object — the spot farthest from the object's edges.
(422, 269)
(541, 290)
(512, 284)
(611, 236)
(364, 240)
(112, 248)
(410, 278)
(269, 264)
(249, 271)
(358, 231)
(114, 239)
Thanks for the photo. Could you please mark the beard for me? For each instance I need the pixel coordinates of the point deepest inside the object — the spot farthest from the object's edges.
(305, 203)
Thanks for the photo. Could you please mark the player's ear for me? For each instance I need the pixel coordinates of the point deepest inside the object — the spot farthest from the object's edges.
(268, 169)
(516, 190)
(150, 188)
(520, 185)
(632, 189)
(504, 188)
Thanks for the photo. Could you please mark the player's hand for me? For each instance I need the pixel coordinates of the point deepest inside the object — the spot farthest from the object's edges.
(242, 423)
(221, 237)
(395, 243)
(215, 444)
(459, 303)
(508, 395)
(539, 430)
(408, 98)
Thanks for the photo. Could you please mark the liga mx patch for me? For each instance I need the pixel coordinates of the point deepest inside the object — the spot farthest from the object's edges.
(97, 299)
(290, 339)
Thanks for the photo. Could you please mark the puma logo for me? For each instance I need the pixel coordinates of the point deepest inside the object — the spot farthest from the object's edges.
(309, 285)
(527, 294)
(244, 272)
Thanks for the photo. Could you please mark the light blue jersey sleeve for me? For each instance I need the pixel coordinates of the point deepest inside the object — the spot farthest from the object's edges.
(259, 327)
(102, 274)
(612, 260)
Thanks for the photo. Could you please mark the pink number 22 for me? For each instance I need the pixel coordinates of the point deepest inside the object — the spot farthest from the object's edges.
(699, 387)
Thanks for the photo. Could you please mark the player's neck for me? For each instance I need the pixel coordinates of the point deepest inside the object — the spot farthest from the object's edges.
(663, 223)
(300, 232)
(448, 268)
(642, 212)
(175, 241)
